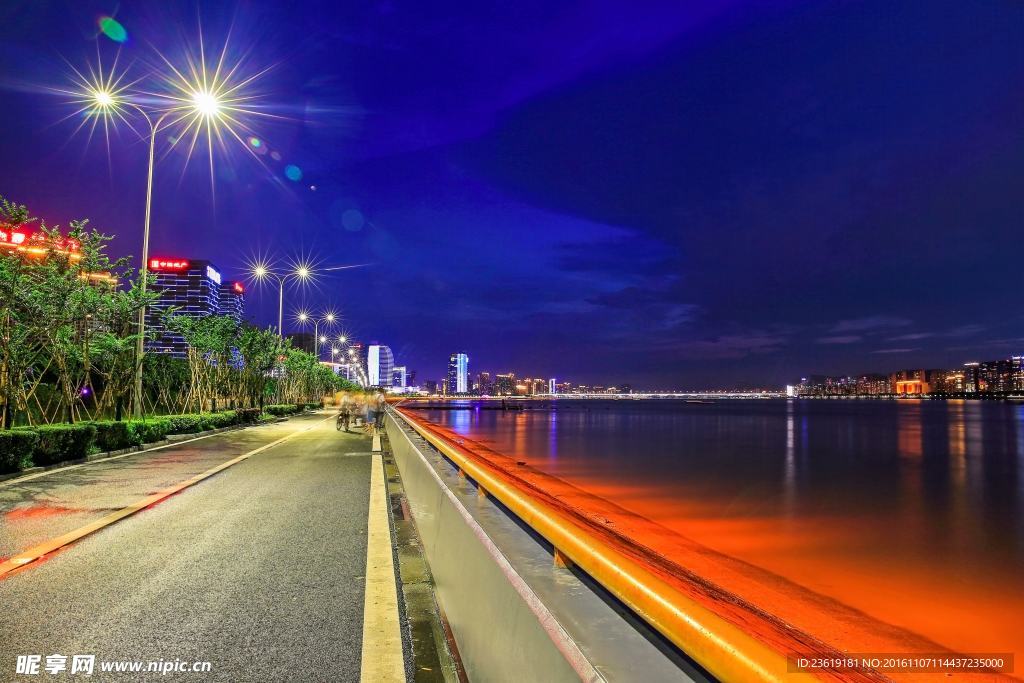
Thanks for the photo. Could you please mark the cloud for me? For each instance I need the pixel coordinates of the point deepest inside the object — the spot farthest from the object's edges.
(842, 339)
(912, 337)
(871, 323)
(894, 350)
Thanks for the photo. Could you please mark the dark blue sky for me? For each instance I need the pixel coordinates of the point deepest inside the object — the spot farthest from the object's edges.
(674, 194)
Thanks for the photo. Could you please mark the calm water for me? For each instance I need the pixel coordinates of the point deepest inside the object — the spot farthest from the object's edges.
(911, 512)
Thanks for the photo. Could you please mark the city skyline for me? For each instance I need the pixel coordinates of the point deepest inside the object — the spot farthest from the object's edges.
(711, 243)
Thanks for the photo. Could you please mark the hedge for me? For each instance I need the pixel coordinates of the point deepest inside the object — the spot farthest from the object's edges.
(114, 436)
(59, 442)
(282, 409)
(24, 447)
(152, 430)
(16, 447)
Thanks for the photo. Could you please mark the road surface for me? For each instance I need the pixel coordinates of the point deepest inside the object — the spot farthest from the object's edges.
(258, 570)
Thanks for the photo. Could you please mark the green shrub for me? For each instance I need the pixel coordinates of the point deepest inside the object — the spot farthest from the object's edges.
(113, 436)
(152, 430)
(219, 420)
(60, 442)
(184, 424)
(16, 449)
(282, 409)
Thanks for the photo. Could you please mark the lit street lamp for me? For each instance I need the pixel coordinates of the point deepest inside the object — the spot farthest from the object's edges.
(301, 272)
(204, 105)
(193, 100)
(329, 318)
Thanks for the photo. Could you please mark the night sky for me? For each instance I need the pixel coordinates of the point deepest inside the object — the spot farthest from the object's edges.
(672, 194)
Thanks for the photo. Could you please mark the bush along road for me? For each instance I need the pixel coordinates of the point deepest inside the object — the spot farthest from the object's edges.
(26, 448)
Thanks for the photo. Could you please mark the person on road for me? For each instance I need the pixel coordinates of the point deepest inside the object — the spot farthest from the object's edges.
(345, 411)
(368, 414)
(380, 402)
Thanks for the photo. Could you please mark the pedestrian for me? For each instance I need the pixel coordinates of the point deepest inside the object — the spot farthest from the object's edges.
(368, 414)
(380, 402)
(357, 409)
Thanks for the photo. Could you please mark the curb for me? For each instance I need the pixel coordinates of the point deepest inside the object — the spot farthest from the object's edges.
(169, 440)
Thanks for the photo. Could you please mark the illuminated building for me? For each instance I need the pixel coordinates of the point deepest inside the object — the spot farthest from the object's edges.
(995, 376)
(458, 374)
(483, 385)
(873, 385)
(193, 288)
(504, 385)
(399, 377)
(1017, 363)
(379, 364)
(970, 381)
(232, 300)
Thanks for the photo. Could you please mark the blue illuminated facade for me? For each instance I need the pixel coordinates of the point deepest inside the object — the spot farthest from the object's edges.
(187, 287)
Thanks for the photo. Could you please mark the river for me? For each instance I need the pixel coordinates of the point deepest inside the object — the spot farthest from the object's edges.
(873, 525)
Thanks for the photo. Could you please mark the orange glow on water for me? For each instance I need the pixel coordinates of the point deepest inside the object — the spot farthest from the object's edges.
(858, 583)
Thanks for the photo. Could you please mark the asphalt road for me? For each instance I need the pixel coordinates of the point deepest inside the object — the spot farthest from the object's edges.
(258, 570)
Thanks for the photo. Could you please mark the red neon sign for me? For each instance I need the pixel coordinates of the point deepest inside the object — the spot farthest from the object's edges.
(12, 237)
(237, 286)
(168, 264)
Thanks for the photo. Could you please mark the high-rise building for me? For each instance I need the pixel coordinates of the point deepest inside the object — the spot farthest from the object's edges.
(458, 374)
(193, 288)
(399, 377)
(996, 376)
(482, 385)
(430, 386)
(552, 386)
(970, 381)
(379, 364)
(232, 300)
(505, 385)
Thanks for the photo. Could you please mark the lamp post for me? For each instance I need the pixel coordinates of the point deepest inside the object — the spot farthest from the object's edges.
(200, 101)
(204, 105)
(329, 317)
(302, 272)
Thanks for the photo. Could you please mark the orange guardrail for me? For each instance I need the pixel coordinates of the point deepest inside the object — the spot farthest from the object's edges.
(717, 644)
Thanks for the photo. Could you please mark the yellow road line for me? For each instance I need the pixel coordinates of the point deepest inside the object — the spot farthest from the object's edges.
(382, 636)
(38, 551)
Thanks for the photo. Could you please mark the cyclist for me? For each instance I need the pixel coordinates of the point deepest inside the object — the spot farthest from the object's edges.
(344, 412)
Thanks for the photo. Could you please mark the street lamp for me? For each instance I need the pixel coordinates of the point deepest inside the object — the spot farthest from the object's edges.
(302, 272)
(106, 101)
(194, 98)
(329, 318)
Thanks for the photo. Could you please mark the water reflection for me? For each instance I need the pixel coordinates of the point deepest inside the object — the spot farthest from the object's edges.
(880, 505)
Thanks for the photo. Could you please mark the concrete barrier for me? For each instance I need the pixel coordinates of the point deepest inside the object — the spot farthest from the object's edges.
(514, 614)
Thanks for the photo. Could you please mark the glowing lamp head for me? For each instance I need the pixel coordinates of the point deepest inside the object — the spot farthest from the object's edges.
(334, 352)
(329, 317)
(260, 271)
(342, 339)
(303, 317)
(303, 272)
(322, 339)
(103, 99)
(205, 103)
